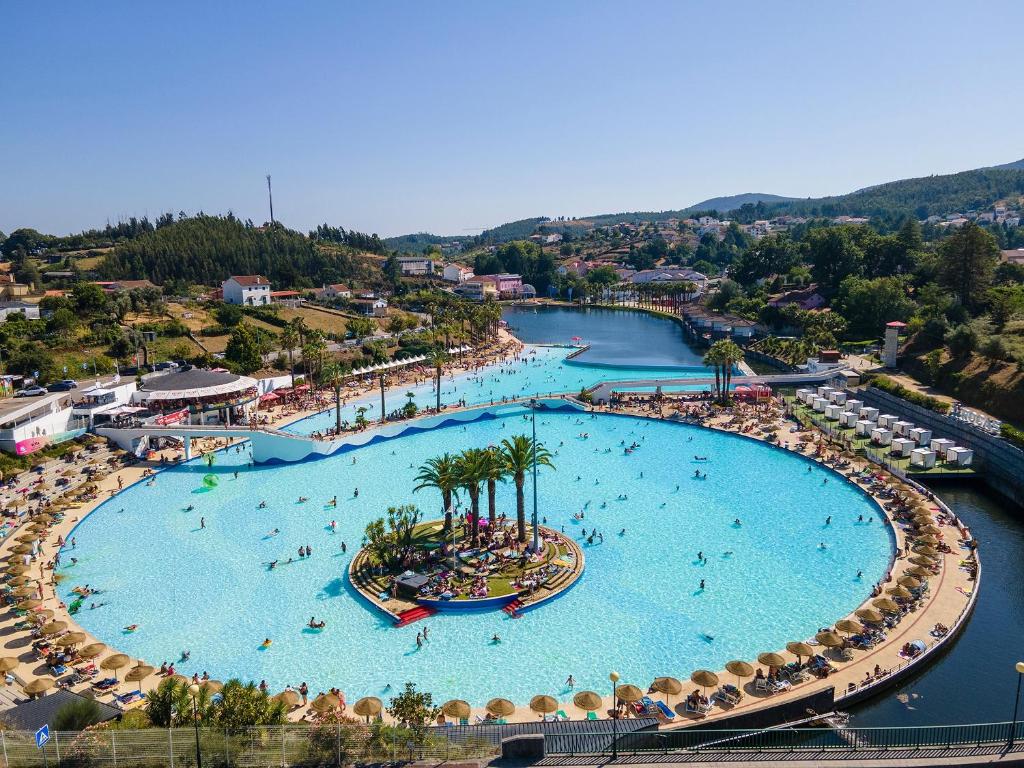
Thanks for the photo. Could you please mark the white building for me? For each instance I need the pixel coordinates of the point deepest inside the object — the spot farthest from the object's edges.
(371, 307)
(31, 311)
(247, 290)
(456, 273)
(336, 291)
(416, 265)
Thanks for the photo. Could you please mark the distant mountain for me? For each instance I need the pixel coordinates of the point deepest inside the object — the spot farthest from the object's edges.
(732, 202)
(1016, 164)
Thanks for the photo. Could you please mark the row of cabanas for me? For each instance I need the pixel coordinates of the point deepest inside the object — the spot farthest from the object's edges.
(392, 364)
(903, 438)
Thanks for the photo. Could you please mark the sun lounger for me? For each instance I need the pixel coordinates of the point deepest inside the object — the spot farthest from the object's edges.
(591, 715)
(130, 697)
(105, 684)
(666, 711)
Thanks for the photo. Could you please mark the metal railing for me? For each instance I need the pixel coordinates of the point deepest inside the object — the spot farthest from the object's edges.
(296, 744)
(785, 741)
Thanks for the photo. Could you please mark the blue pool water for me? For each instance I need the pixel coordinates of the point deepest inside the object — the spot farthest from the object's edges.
(616, 337)
(637, 608)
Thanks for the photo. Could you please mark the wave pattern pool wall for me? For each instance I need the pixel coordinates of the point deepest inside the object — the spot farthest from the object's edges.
(638, 608)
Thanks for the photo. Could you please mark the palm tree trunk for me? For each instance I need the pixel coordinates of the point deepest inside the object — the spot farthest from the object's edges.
(337, 408)
(291, 367)
(474, 499)
(439, 389)
(718, 386)
(521, 509)
(492, 517)
(446, 499)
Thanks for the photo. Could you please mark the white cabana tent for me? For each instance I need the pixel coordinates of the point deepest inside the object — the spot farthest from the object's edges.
(920, 435)
(962, 457)
(902, 447)
(848, 418)
(832, 412)
(838, 397)
(869, 414)
(902, 428)
(854, 405)
(864, 427)
(880, 436)
(922, 457)
(941, 445)
(886, 420)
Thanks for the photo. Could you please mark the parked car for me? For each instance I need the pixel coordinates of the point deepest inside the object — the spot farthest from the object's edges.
(31, 392)
(64, 385)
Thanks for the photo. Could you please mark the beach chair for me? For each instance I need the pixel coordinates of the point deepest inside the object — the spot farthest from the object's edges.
(560, 714)
(591, 715)
(665, 709)
(761, 684)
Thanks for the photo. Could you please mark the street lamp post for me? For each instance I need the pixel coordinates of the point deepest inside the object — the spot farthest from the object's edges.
(614, 677)
(194, 690)
(1019, 666)
(536, 536)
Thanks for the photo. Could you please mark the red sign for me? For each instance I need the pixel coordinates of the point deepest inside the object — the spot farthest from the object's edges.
(172, 418)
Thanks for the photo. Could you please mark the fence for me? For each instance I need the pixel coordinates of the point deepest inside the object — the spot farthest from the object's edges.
(291, 745)
(788, 740)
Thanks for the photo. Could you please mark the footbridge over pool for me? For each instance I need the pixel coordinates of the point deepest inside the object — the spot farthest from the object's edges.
(603, 391)
(271, 445)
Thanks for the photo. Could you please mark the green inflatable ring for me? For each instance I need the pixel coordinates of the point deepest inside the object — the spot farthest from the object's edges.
(210, 481)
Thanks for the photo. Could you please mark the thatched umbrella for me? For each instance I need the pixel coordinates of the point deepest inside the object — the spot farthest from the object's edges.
(139, 673)
(115, 662)
(71, 638)
(325, 702)
(456, 708)
(27, 538)
(923, 560)
(800, 650)
(371, 706)
(544, 705)
(213, 686)
(771, 659)
(901, 592)
(8, 663)
(92, 650)
(667, 685)
(53, 628)
(41, 615)
(926, 549)
(829, 639)
(928, 539)
(848, 626)
(740, 669)
(909, 582)
(29, 604)
(289, 698)
(705, 679)
(918, 571)
(22, 549)
(588, 701)
(500, 707)
(39, 685)
(932, 530)
(17, 569)
(886, 605)
(24, 591)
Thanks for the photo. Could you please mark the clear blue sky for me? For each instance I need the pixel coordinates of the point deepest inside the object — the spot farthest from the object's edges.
(452, 116)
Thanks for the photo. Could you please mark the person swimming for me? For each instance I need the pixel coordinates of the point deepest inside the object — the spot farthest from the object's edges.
(314, 624)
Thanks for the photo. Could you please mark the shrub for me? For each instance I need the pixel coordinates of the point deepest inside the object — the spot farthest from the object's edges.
(962, 340)
(894, 388)
(1012, 434)
(995, 349)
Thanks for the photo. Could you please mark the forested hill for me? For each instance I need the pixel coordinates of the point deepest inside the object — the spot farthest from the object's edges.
(923, 197)
(207, 249)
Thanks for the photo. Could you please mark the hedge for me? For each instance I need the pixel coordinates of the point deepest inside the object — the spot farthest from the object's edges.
(895, 388)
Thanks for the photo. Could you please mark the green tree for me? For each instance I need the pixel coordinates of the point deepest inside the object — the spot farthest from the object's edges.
(415, 708)
(313, 350)
(76, 715)
(518, 453)
(229, 315)
(289, 341)
(243, 705)
(437, 357)
(967, 262)
(471, 467)
(868, 304)
(441, 473)
(89, 298)
(834, 256)
(243, 350)
(723, 355)
(497, 471)
(333, 376)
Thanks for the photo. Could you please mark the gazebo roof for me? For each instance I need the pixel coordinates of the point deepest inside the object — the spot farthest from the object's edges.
(184, 385)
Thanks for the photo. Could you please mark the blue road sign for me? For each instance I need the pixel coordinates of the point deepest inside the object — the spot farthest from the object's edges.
(42, 736)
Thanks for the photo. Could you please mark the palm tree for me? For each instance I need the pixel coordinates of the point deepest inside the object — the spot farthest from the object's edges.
(472, 470)
(518, 454)
(437, 358)
(713, 358)
(496, 472)
(723, 355)
(289, 341)
(334, 376)
(313, 350)
(441, 472)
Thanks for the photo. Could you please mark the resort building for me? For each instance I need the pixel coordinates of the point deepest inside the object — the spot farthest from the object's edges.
(371, 307)
(31, 311)
(510, 286)
(805, 298)
(478, 288)
(336, 291)
(247, 290)
(198, 395)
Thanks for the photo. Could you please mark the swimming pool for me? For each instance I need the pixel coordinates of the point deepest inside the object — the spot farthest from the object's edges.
(637, 609)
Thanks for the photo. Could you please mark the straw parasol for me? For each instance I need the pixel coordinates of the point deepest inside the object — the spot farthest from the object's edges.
(139, 673)
(371, 706)
(24, 591)
(291, 699)
(870, 614)
(918, 571)
(28, 605)
(901, 592)
(848, 625)
(115, 662)
(933, 530)
(41, 616)
(17, 569)
(667, 685)
(27, 538)
(500, 707)
(885, 605)
(53, 628)
(771, 659)
(799, 649)
(544, 705)
(20, 580)
(92, 650)
(629, 693)
(71, 638)
(829, 639)
(325, 702)
(22, 549)
(456, 708)
(909, 582)
(927, 549)
(8, 663)
(214, 686)
(39, 685)
(923, 560)
(588, 701)
(704, 678)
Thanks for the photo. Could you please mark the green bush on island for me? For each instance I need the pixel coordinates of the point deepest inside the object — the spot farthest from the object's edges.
(1012, 434)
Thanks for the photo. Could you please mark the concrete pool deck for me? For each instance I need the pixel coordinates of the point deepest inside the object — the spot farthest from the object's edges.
(947, 602)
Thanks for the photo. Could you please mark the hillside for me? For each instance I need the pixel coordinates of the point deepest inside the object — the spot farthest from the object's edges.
(1016, 164)
(207, 249)
(732, 202)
